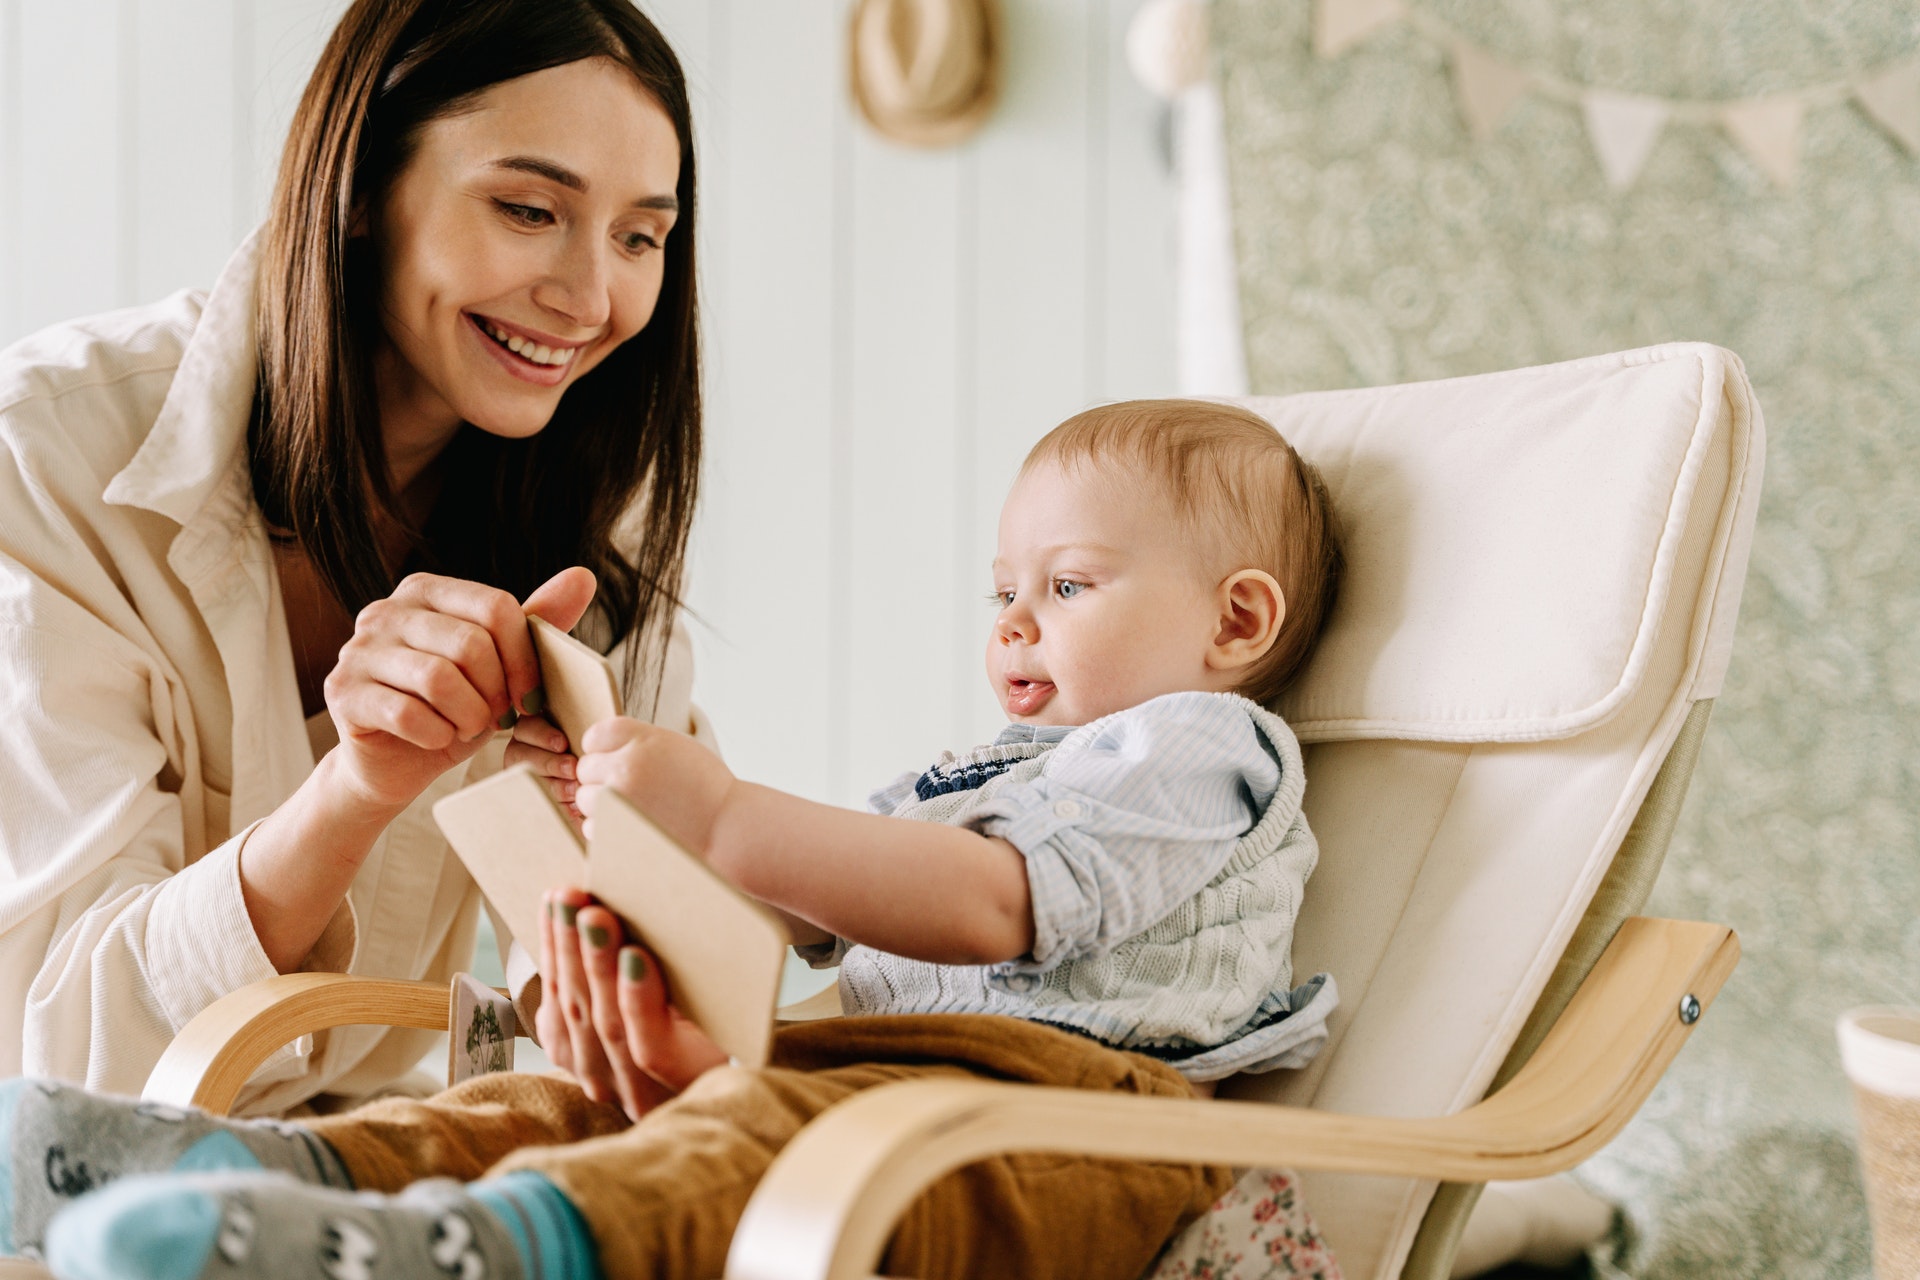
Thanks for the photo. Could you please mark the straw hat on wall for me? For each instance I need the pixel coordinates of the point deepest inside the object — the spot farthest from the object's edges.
(925, 72)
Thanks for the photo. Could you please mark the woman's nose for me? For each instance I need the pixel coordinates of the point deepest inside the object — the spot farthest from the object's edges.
(578, 286)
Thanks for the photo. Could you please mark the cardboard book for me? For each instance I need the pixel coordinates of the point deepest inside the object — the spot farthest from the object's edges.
(721, 952)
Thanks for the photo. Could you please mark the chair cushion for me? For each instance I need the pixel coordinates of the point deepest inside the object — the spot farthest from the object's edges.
(1469, 793)
(1511, 541)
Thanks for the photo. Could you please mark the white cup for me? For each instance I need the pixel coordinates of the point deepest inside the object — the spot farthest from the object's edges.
(1880, 1050)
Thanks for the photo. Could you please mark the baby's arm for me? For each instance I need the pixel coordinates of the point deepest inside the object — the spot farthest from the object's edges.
(917, 889)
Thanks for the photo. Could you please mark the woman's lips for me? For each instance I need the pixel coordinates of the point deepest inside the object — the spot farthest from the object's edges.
(1024, 697)
(545, 375)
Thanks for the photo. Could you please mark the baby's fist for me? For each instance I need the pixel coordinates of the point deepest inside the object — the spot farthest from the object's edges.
(675, 781)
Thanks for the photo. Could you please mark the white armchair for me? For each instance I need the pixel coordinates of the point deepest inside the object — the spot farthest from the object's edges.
(1544, 571)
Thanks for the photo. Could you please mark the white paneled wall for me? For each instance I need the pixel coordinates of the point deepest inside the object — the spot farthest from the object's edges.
(888, 330)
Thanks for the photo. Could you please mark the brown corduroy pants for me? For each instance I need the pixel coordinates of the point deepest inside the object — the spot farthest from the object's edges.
(662, 1196)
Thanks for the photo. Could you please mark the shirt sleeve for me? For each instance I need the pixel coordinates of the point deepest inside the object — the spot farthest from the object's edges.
(110, 938)
(1130, 822)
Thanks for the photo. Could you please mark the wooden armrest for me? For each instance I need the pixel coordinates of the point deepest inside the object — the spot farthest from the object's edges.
(215, 1055)
(824, 1003)
(826, 1208)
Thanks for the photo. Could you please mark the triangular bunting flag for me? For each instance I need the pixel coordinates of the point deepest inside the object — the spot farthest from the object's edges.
(1768, 130)
(1893, 100)
(1340, 24)
(1624, 128)
(1487, 88)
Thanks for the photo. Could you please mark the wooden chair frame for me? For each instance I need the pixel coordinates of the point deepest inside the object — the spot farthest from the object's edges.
(826, 1208)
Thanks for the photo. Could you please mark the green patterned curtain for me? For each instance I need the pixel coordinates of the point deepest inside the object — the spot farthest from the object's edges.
(1378, 242)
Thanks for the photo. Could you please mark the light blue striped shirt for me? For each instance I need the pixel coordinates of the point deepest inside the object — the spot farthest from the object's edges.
(1166, 854)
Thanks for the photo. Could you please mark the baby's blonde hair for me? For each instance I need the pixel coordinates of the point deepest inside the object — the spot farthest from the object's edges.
(1241, 489)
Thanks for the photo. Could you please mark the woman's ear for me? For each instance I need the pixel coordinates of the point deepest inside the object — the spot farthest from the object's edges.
(1252, 607)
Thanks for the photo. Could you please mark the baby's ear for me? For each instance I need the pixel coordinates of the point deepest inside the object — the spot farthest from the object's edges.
(1251, 609)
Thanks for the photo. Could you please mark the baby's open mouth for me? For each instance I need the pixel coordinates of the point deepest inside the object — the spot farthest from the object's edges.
(531, 352)
(1024, 696)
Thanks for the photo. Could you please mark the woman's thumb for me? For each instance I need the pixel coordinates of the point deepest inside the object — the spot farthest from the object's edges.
(563, 598)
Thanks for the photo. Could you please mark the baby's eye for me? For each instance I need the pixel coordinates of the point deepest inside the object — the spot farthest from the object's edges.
(1067, 588)
(1000, 599)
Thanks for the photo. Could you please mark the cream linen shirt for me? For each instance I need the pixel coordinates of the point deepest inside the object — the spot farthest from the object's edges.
(150, 718)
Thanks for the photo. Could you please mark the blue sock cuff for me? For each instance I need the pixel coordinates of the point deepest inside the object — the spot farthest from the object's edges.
(552, 1237)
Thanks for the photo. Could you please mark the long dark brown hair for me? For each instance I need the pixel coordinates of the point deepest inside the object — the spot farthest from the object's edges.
(618, 463)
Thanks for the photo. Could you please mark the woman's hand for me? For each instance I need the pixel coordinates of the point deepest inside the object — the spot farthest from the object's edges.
(679, 784)
(432, 672)
(605, 1017)
(543, 748)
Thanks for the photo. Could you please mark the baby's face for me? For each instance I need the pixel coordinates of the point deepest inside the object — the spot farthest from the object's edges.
(1103, 602)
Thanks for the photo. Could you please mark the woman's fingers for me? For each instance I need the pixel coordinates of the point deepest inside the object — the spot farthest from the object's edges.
(428, 678)
(538, 731)
(543, 748)
(465, 644)
(662, 1041)
(490, 608)
(364, 706)
(547, 1019)
(601, 932)
(644, 1012)
(563, 598)
(589, 1059)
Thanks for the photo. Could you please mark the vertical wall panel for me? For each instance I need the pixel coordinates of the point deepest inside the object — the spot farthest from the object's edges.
(288, 36)
(69, 161)
(1136, 204)
(182, 161)
(13, 187)
(761, 580)
(1031, 321)
(902, 655)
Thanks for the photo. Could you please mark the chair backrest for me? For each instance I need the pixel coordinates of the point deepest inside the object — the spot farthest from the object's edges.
(1544, 571)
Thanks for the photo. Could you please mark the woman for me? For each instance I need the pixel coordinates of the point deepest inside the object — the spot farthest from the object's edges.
(264, 558)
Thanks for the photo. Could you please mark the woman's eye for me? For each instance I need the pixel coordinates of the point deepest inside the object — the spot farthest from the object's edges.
(1067, 589)
(530, 215)
(639, 242)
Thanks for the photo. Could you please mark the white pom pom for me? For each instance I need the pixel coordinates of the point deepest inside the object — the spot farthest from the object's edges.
(1167, 45)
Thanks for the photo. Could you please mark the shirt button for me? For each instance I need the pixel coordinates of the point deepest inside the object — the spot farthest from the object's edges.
(1067, 809)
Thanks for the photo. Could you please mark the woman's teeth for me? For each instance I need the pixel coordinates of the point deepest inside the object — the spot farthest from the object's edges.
(528, 350)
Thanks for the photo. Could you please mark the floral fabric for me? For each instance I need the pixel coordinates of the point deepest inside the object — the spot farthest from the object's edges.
(1259, 1230)
(1378, 242)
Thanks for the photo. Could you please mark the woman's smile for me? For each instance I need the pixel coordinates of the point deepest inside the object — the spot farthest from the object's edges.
(543, 363)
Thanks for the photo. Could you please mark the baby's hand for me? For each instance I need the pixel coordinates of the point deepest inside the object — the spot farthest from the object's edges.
(675, 781)
(537, 743)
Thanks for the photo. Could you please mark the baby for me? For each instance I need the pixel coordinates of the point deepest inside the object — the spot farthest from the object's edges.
(1102, 898)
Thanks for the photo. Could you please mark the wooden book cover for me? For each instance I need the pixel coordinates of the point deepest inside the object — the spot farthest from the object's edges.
(722, 952)
(579, 683)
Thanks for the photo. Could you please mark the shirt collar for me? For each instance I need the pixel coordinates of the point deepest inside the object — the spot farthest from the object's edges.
(1039, 733)
(203, 421)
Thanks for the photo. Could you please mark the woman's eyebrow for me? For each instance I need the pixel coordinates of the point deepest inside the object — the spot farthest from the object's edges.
(568, 178)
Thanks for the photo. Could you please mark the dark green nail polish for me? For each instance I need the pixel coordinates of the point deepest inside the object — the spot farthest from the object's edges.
(535, 702)
(633, 966)
(596, 936)
(510, 719)
(566, 911)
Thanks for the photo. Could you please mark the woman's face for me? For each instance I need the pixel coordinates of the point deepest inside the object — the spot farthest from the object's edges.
(524, 240)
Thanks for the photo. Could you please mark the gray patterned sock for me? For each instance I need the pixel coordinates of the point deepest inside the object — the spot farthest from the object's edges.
(262, 1226)
(58, 1142)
